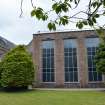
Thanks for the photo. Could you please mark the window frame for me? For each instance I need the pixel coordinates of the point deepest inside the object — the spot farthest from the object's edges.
(46, 57)
(92, 65)
(78, 70)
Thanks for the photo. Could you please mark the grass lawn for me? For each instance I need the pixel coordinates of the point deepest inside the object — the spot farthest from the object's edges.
(39, 97)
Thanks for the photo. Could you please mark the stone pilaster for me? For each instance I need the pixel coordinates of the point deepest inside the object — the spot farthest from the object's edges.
(59, 61)
(36, 59)
(83, 73)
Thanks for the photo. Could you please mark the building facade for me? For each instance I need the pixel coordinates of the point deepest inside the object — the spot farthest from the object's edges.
(66, 59)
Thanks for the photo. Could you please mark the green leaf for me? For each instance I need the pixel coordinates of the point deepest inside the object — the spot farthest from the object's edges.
(85, 23)
(90, 22)
(95, 4)
(79, 25)
(44, 17)
(71, 0)
(94, 19)
(104, 13)
(33, 13)
(104, 2)
(64, 7)
(39, 13)
(39, 9)
(53, 26)
(58, 9)
(54, 6)
(97, 15)
(50, 26)
(66, 0)
(68, 4)
(56, 22)
(63, 20)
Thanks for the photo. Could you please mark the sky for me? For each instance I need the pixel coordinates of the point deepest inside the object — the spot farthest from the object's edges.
(20, 30)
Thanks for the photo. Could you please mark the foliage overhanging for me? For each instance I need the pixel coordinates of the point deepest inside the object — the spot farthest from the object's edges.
(62, 8)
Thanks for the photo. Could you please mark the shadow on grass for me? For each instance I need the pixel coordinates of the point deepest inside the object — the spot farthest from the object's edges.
(15, 89)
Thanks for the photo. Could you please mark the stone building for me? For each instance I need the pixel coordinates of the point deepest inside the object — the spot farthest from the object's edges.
(5, 46)
(66, 59)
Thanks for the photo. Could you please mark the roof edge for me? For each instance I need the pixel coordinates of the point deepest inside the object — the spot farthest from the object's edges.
(40, 33)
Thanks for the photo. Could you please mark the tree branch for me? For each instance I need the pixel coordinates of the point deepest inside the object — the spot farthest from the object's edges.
(21, 5)
(76, 5)
(32, 4)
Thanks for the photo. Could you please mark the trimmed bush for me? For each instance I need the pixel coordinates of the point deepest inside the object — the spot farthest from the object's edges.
(17, 68)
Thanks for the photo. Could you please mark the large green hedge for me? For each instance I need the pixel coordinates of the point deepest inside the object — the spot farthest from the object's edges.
(16, 68)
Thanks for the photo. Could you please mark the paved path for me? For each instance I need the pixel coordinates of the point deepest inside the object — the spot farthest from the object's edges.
(72, 89)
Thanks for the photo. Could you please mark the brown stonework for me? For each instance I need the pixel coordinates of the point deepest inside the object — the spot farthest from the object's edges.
(82, 63)
(59, 58)
(59, 61)
(36, 59)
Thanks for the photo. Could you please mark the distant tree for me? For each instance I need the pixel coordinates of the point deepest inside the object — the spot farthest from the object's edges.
(94, 10)
(16, 68)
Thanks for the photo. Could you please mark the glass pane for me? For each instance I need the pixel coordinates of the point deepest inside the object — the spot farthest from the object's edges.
(90, 69)
(48, 51)
(70, 62)
(75, 61)
(48, 77)
(99, 77)
(74, 50)
(52, 63)
(95, 76)
(48, 61)
(66, 69)
(66, 50)
(44, 70)
(44, 62)
(48, 70)
(92, 44)
(69, 50)
(44, 51)
(70, 69)
(66, 62)
(89, 53)
(89, 49)
(90, 76)
(70, 55)
(48, 44)
(89, 61)
(71, 76)
(70, 43)
(44, 77)
(52, 70)
(75, 76)
(75, 69)
(66, 77)
(52, 77)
